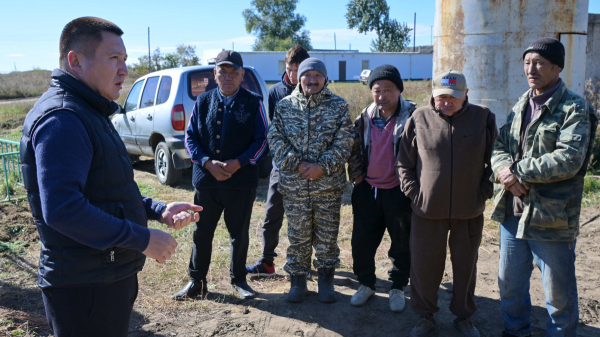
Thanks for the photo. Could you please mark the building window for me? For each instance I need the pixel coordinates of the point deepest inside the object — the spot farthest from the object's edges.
(281, 67)
(365, 64)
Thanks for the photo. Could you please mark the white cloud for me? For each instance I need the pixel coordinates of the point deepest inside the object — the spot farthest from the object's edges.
(15, 55)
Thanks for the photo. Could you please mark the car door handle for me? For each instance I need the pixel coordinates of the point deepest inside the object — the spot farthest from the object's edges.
(149, 117)
(132, 119)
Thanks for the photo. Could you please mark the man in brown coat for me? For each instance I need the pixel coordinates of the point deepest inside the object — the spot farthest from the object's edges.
(444, 168)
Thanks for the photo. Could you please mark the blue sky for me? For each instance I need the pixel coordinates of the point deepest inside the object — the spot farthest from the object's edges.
(30, 29)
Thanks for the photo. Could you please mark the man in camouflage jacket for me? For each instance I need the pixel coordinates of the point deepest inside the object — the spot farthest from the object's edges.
(310, 140)
(540, 158)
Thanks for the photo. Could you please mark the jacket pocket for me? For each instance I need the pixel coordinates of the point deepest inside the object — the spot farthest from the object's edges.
(549, 213)
(547, 137)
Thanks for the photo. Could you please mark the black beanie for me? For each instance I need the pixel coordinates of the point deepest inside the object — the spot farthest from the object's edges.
(386, 72)
(549, 48)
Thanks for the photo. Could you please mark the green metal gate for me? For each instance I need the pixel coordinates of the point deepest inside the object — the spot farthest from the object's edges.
(11, 182)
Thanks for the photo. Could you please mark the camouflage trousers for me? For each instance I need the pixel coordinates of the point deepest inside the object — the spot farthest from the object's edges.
(312, 223)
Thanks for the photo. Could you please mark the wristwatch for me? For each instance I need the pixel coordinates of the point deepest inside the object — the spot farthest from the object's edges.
(161, 208)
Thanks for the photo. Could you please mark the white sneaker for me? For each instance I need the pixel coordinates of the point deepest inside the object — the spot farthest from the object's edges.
(397, 302)
(362, 295)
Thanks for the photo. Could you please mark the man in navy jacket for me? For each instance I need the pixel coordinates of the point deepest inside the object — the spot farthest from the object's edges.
(226, 138)
(88, 210)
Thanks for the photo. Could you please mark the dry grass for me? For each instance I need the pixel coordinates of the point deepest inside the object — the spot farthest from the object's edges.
(22, 84)
(359, 96)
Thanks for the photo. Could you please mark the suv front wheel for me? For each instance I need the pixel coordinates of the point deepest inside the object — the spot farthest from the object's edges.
(166, 172)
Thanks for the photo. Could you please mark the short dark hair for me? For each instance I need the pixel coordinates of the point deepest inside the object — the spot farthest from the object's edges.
(296, 54)
(84, 35)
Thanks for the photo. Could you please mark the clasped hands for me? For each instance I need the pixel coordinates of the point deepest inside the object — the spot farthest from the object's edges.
(161, 244)
(511, 183)
(310, 171)
(222, 170)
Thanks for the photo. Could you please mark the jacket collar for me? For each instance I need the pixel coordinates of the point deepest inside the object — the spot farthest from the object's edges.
(286, 82)
(403, 107)
(68, 82)
(552, 103)
(313, 100)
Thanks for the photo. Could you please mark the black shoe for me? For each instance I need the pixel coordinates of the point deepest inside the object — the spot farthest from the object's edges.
(191, 290)
(298, 289)
(326, 291)
(244, 290)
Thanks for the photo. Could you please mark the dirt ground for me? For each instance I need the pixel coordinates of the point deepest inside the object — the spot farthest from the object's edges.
(223, 314)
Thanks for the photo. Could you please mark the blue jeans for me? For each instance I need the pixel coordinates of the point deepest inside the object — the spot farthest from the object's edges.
(556, 261)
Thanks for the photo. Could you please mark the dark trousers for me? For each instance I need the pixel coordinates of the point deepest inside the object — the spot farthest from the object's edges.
(91, 311)
(428, 240)
(372, 216)
(273, 219)
(236, 207)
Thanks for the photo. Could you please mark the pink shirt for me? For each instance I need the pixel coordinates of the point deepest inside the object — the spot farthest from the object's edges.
(381, 173)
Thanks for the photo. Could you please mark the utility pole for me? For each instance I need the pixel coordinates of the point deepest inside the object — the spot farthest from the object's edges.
(15, 66)
(334, 42)
(415, 32)
(149, 59)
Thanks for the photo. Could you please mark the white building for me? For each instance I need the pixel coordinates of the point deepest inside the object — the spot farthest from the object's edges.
(342, 65)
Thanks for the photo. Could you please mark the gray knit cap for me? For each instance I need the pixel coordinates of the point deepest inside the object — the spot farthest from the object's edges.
(312, 63)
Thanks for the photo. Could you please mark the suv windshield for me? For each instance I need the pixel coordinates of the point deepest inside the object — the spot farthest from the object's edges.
(202, 81)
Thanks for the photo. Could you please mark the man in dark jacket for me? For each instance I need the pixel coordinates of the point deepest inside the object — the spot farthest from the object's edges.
(274, 209)
(377, 201)
(444, 168)
(89, 212)
(226, 138)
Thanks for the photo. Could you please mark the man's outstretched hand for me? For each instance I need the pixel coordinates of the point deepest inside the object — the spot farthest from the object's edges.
(161, 246)
(176, 214)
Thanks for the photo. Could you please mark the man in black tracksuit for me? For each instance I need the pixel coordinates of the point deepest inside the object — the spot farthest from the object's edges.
(274, 209)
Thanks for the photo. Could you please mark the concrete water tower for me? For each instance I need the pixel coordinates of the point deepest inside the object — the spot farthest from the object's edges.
(485, 39)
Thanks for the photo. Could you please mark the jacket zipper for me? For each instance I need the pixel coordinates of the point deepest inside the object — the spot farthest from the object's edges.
(308, 142)
(112, 256)
(451, 167)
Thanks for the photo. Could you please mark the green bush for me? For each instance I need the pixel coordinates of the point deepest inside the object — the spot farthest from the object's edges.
(591, 185)
(12, 247)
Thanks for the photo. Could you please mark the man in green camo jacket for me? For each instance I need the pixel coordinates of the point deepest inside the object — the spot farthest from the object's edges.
(540, 159)
(310, 140)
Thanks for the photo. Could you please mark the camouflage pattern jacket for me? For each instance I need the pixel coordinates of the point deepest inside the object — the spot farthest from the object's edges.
(558, 149)
(316, 130)
(361, 149)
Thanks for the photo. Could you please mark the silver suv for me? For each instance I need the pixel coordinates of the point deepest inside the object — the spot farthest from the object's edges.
(158, 108)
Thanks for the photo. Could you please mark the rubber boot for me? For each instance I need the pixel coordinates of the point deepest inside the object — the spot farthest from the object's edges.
(326, 291)
(298, 289)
